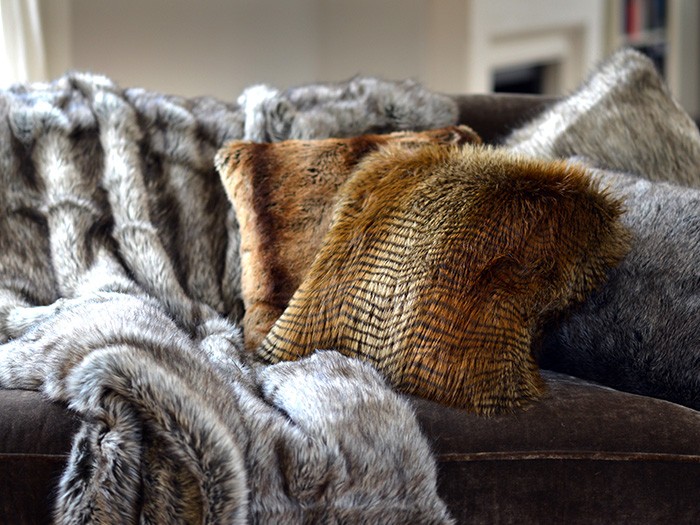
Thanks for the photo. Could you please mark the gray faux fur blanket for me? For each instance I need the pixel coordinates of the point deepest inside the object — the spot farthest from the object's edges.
(119, 296)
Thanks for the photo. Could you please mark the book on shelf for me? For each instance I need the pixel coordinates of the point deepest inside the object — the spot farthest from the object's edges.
(643, 16)
(643, 26)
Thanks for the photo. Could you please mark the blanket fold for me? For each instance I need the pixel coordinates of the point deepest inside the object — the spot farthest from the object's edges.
(120, 296)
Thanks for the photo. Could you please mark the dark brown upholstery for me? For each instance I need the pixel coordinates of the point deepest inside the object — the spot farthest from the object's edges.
(585, 454)
(35, 440)
(493, 116)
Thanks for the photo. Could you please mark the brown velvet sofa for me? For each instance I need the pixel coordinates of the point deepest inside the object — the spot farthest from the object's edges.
(585, 454)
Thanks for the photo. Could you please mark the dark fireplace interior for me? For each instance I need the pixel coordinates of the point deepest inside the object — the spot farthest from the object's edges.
(520, 79)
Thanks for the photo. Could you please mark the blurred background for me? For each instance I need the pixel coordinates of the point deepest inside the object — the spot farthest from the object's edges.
(219, 47)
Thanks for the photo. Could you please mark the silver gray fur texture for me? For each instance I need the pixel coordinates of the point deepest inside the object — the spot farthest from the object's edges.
(640, 332)
(346, 109)
(622, 118)
(119, 296)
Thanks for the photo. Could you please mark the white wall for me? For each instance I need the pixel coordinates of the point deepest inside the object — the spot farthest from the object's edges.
(219, 47)
(206, 47)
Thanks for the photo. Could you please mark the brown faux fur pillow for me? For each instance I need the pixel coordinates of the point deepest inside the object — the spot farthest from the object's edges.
(284, 194)
(441, 265)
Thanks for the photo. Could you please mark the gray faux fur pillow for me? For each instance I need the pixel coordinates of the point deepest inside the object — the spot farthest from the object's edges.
(622, 118)
(640, 332)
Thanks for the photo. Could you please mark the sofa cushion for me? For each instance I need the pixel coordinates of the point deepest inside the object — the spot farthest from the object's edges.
(284, 194)
(35, 439)
(622, 118)
(441, 264)
(584, 454)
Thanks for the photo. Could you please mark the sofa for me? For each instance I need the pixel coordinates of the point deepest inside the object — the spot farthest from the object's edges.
(585, 453)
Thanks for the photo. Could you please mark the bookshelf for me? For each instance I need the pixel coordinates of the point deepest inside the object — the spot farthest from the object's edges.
(666, 31)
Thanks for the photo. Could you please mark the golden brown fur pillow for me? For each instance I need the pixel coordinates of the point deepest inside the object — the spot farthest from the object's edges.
(441, 265)
(284, 194)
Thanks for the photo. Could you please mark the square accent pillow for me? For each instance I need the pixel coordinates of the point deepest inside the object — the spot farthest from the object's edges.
(441, 265)
(622, 118)
(284, 194)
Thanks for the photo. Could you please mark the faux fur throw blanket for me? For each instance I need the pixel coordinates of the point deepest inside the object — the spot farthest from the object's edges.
(119, 296)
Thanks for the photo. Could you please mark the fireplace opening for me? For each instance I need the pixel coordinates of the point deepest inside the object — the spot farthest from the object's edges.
(536, 79)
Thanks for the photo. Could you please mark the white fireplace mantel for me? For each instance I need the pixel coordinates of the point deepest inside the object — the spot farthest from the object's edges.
(511, 33)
